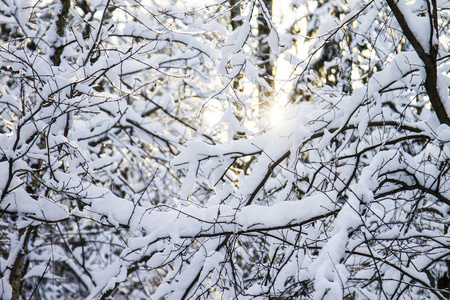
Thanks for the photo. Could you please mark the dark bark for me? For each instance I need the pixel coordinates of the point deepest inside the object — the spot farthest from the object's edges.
(235, 12)
(429, 58)
(266, 65)
(17, 271)
(60, 28)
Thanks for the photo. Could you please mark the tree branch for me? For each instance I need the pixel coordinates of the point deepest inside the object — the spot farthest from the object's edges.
(429, 59)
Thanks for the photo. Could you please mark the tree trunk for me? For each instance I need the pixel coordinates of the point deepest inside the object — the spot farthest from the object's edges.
(265, 65)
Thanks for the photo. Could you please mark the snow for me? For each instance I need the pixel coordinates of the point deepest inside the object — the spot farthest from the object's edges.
(280, 214)
(366, 23)
(5, 287)
(443, 90)
(313, 201)
(39, 271)
(420, 26)
(41, 209)
(402, 63)
(273, 41)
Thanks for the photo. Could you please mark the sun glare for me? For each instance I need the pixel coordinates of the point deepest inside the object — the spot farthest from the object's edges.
(276, 115)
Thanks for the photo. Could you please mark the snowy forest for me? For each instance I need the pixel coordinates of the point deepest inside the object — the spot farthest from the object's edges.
(224, 149)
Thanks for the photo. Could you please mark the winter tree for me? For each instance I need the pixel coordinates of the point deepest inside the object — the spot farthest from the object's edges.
(240, 149)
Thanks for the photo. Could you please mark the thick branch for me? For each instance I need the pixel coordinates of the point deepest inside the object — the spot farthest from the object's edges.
(429, 59)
